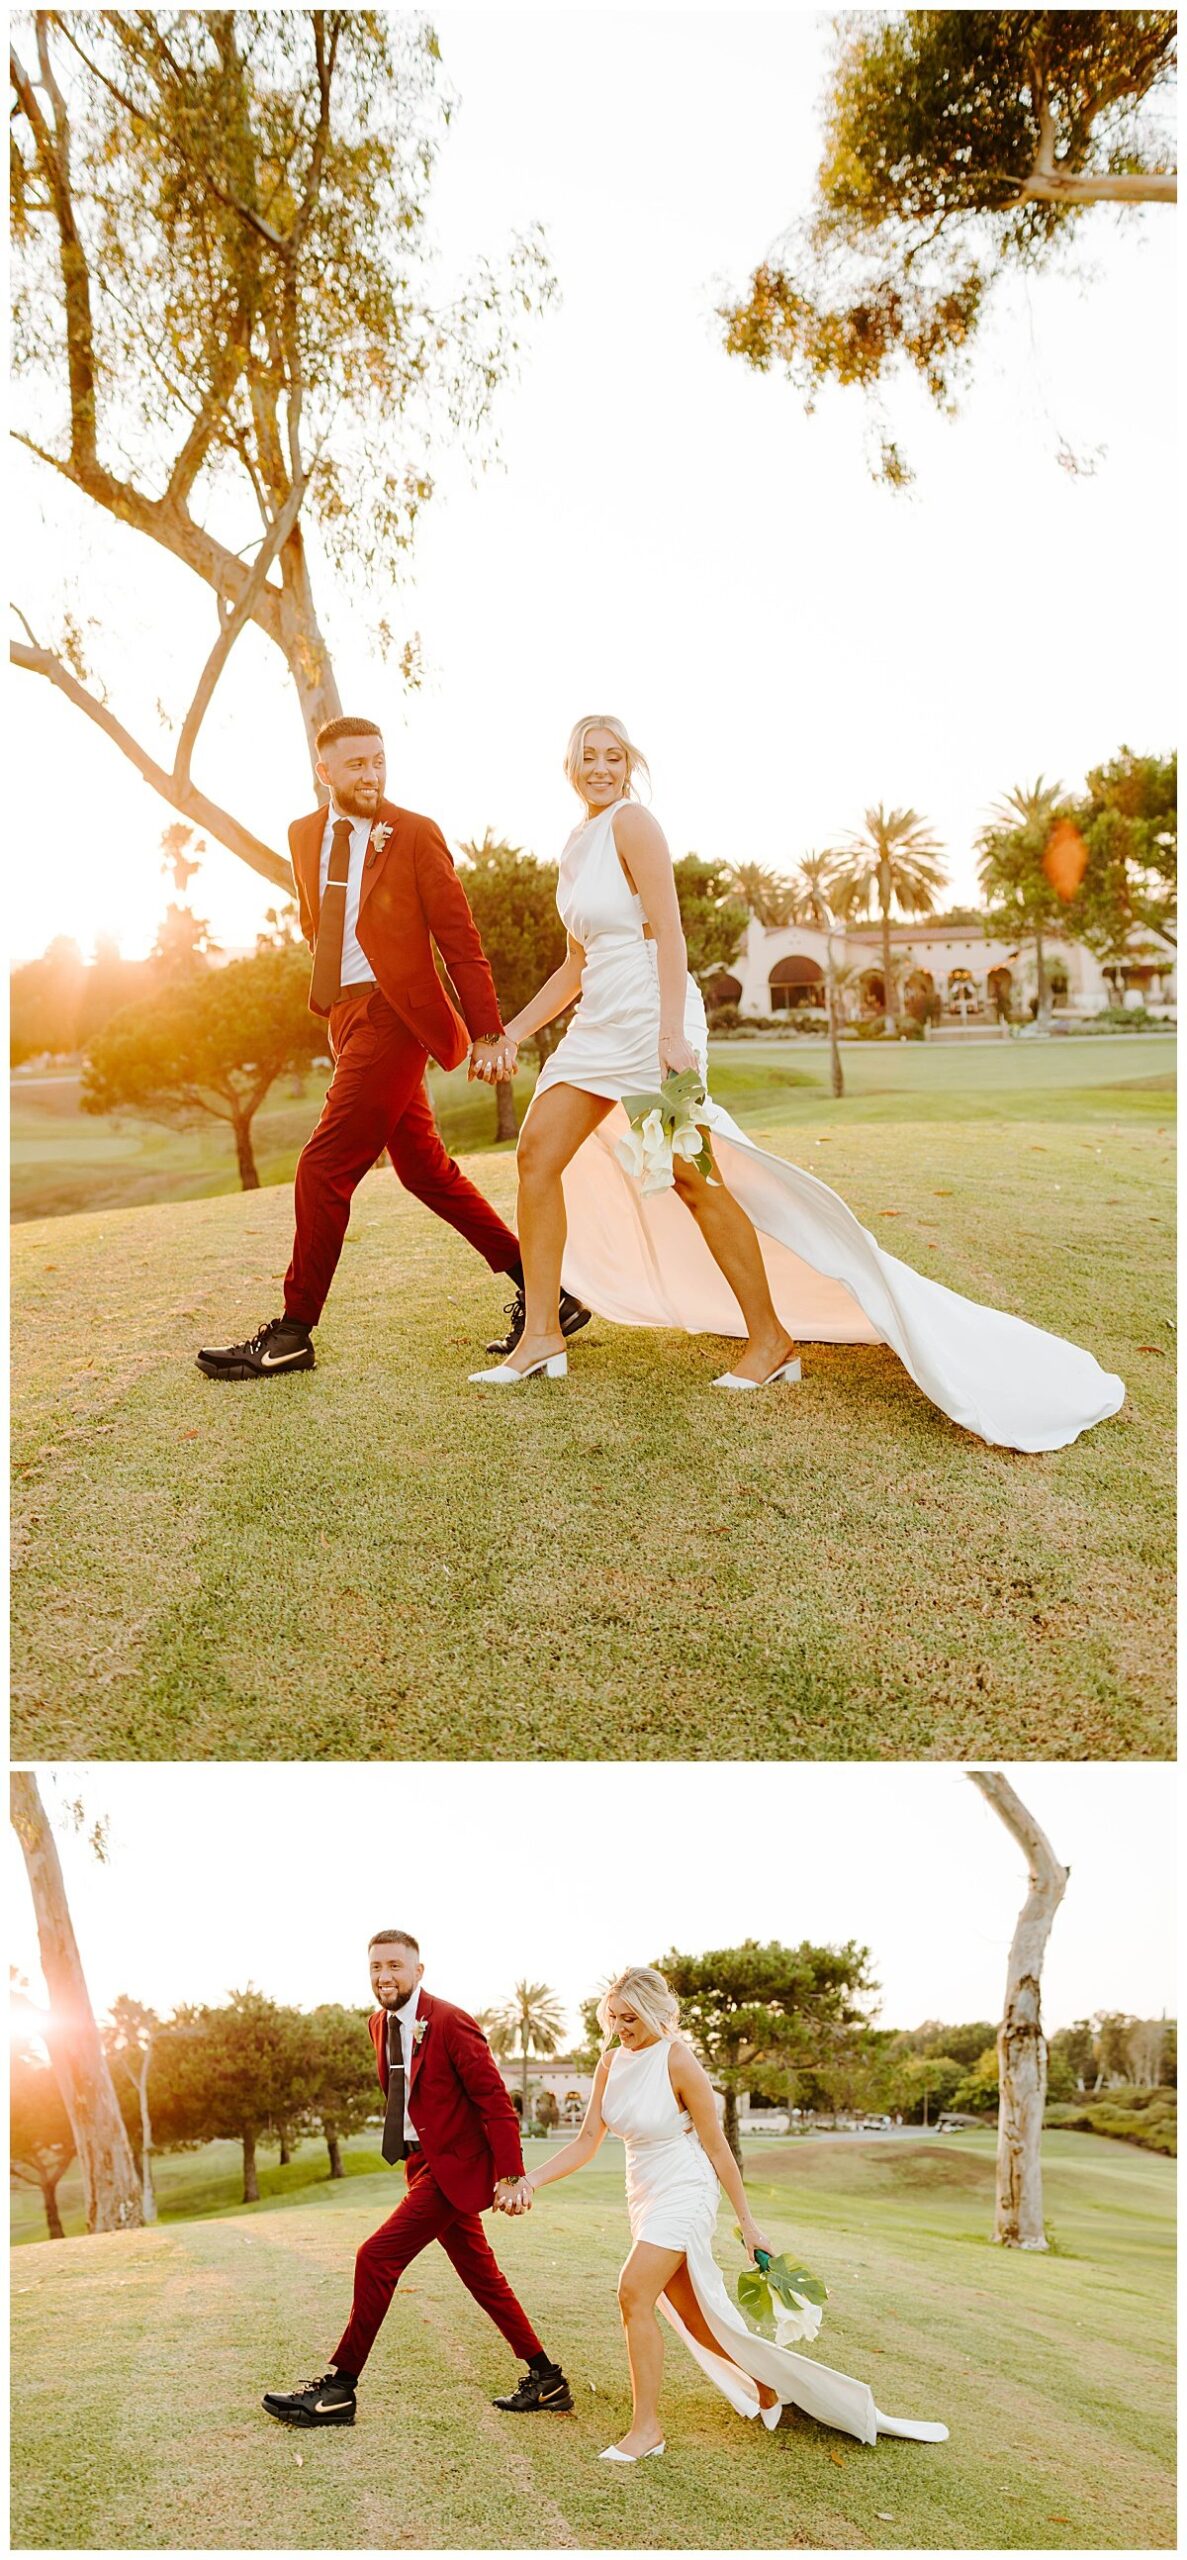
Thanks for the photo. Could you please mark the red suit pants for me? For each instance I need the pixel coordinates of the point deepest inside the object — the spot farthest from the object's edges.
(376, 1098)
(425, 2215)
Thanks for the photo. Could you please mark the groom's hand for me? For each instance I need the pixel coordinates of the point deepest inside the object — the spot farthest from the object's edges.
(513, 2195)
(493, 1061)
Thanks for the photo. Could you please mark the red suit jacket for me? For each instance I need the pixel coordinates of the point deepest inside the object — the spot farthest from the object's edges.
(411, 898)
(465, 2123)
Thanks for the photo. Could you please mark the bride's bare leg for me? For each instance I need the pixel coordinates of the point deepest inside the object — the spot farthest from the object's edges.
(558, 1122)
(646, 2275)
(734, 1246)
(680, 2293)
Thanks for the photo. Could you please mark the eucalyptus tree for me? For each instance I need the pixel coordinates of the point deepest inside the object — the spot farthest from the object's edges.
(959, 144)
(230, 335)
(110, 2184)
(1021, 2044)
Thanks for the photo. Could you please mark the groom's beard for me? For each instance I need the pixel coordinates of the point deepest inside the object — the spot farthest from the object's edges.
(357, 804)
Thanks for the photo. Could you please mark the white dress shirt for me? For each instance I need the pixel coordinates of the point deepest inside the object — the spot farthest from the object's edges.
(355, 964)
(405, 2020)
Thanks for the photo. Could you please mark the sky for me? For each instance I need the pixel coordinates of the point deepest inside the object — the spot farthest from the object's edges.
(666, 535)
(565, 1873)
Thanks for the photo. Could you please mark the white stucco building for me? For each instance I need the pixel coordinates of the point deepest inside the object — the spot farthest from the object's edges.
(782, 967)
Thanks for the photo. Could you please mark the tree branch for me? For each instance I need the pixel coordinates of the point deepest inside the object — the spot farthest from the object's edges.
(188, 802)
(236, 622)
(53, 153)
(172, 527)
(1138, 187)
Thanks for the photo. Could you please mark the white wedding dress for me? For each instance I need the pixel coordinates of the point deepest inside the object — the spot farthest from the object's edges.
(641, 1260)
(672, 2196)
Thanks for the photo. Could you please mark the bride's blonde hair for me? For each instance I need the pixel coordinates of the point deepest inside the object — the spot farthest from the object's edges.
(636, 761)
(649, 1997)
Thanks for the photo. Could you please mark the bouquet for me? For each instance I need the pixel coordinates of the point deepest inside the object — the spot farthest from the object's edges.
(781, 2301)
(664, 1125)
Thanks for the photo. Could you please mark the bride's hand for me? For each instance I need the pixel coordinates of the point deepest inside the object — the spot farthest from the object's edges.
(755, 2239)
(676, 1054)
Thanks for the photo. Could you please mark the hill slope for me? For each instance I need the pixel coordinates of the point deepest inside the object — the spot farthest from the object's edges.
(375, 1558)
(140, 2362)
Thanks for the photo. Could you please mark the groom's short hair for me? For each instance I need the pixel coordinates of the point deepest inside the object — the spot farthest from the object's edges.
(393, 1937)
(346, 726)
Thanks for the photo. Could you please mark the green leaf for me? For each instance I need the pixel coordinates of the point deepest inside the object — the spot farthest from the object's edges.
(754, 2301)
(788, 2282)
(637, 1106)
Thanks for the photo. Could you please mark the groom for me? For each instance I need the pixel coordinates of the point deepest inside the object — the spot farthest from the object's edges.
(377, 889)
(451, 2122)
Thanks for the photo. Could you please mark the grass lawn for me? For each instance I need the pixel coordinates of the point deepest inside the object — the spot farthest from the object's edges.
(137, 2422)
(375, 1560)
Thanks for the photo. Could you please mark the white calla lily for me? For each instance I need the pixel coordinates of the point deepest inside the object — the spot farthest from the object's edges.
(630, 1152)
(802, 2323)
(687, 1142)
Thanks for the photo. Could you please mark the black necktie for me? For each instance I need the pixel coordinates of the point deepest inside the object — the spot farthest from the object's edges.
(327, 956)
(392, 2145)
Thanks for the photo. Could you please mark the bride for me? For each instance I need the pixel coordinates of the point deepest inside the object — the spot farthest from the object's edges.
(763, 1249)
(650, 2089)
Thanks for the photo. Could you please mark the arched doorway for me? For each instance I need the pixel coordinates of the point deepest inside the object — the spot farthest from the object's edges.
(919, 995)
(963, 994)
(873, 991)
(795, 982)
(723, 989)
(998, 986)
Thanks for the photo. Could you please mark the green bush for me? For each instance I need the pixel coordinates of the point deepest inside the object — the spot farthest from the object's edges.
(1147, 2117)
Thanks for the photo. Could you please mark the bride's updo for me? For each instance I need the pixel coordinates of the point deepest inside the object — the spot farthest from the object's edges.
(648, 1994)
(636, 761)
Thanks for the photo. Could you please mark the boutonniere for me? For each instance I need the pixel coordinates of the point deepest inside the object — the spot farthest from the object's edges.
(379, 837)
(420, 2026)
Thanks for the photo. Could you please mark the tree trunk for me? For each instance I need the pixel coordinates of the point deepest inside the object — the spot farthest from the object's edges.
(1021, 2047)
(1043, 992)
(251, 2182)
(836, 1072)
(53, 2219)
(730, 2122)
(334, 2148)
(249, 1179)
(888, 1007)
(285, 2153)
(80, 2064)
(505, 1122)
(148, 2198)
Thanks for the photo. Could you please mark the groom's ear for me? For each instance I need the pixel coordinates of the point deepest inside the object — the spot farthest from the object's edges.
(321, 772)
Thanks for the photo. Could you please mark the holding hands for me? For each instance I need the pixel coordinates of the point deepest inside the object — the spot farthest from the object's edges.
(513, 2195)
(493, 1061)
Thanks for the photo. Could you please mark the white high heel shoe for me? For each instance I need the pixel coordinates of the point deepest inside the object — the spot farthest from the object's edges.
(789, 1373)
(557, 1366)
(771, 2417)
(612, 2453)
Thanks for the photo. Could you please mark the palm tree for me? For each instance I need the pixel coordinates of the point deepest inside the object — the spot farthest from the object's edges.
(1010, 869)
(535, 2017)
(770, 900)
(896, 862)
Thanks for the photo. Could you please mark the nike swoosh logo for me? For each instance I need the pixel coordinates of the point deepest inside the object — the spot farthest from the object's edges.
(281, 1360)
(321, 2405)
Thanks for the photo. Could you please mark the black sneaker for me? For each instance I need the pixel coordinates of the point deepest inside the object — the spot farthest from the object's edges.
(325, 2403)
(278, 1347)
(539, 2391)
(572, 1316)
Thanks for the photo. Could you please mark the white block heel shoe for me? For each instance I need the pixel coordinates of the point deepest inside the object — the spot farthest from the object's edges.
(507, 1376)
(771, 2417)
(788, 1375)
(612, 2453)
